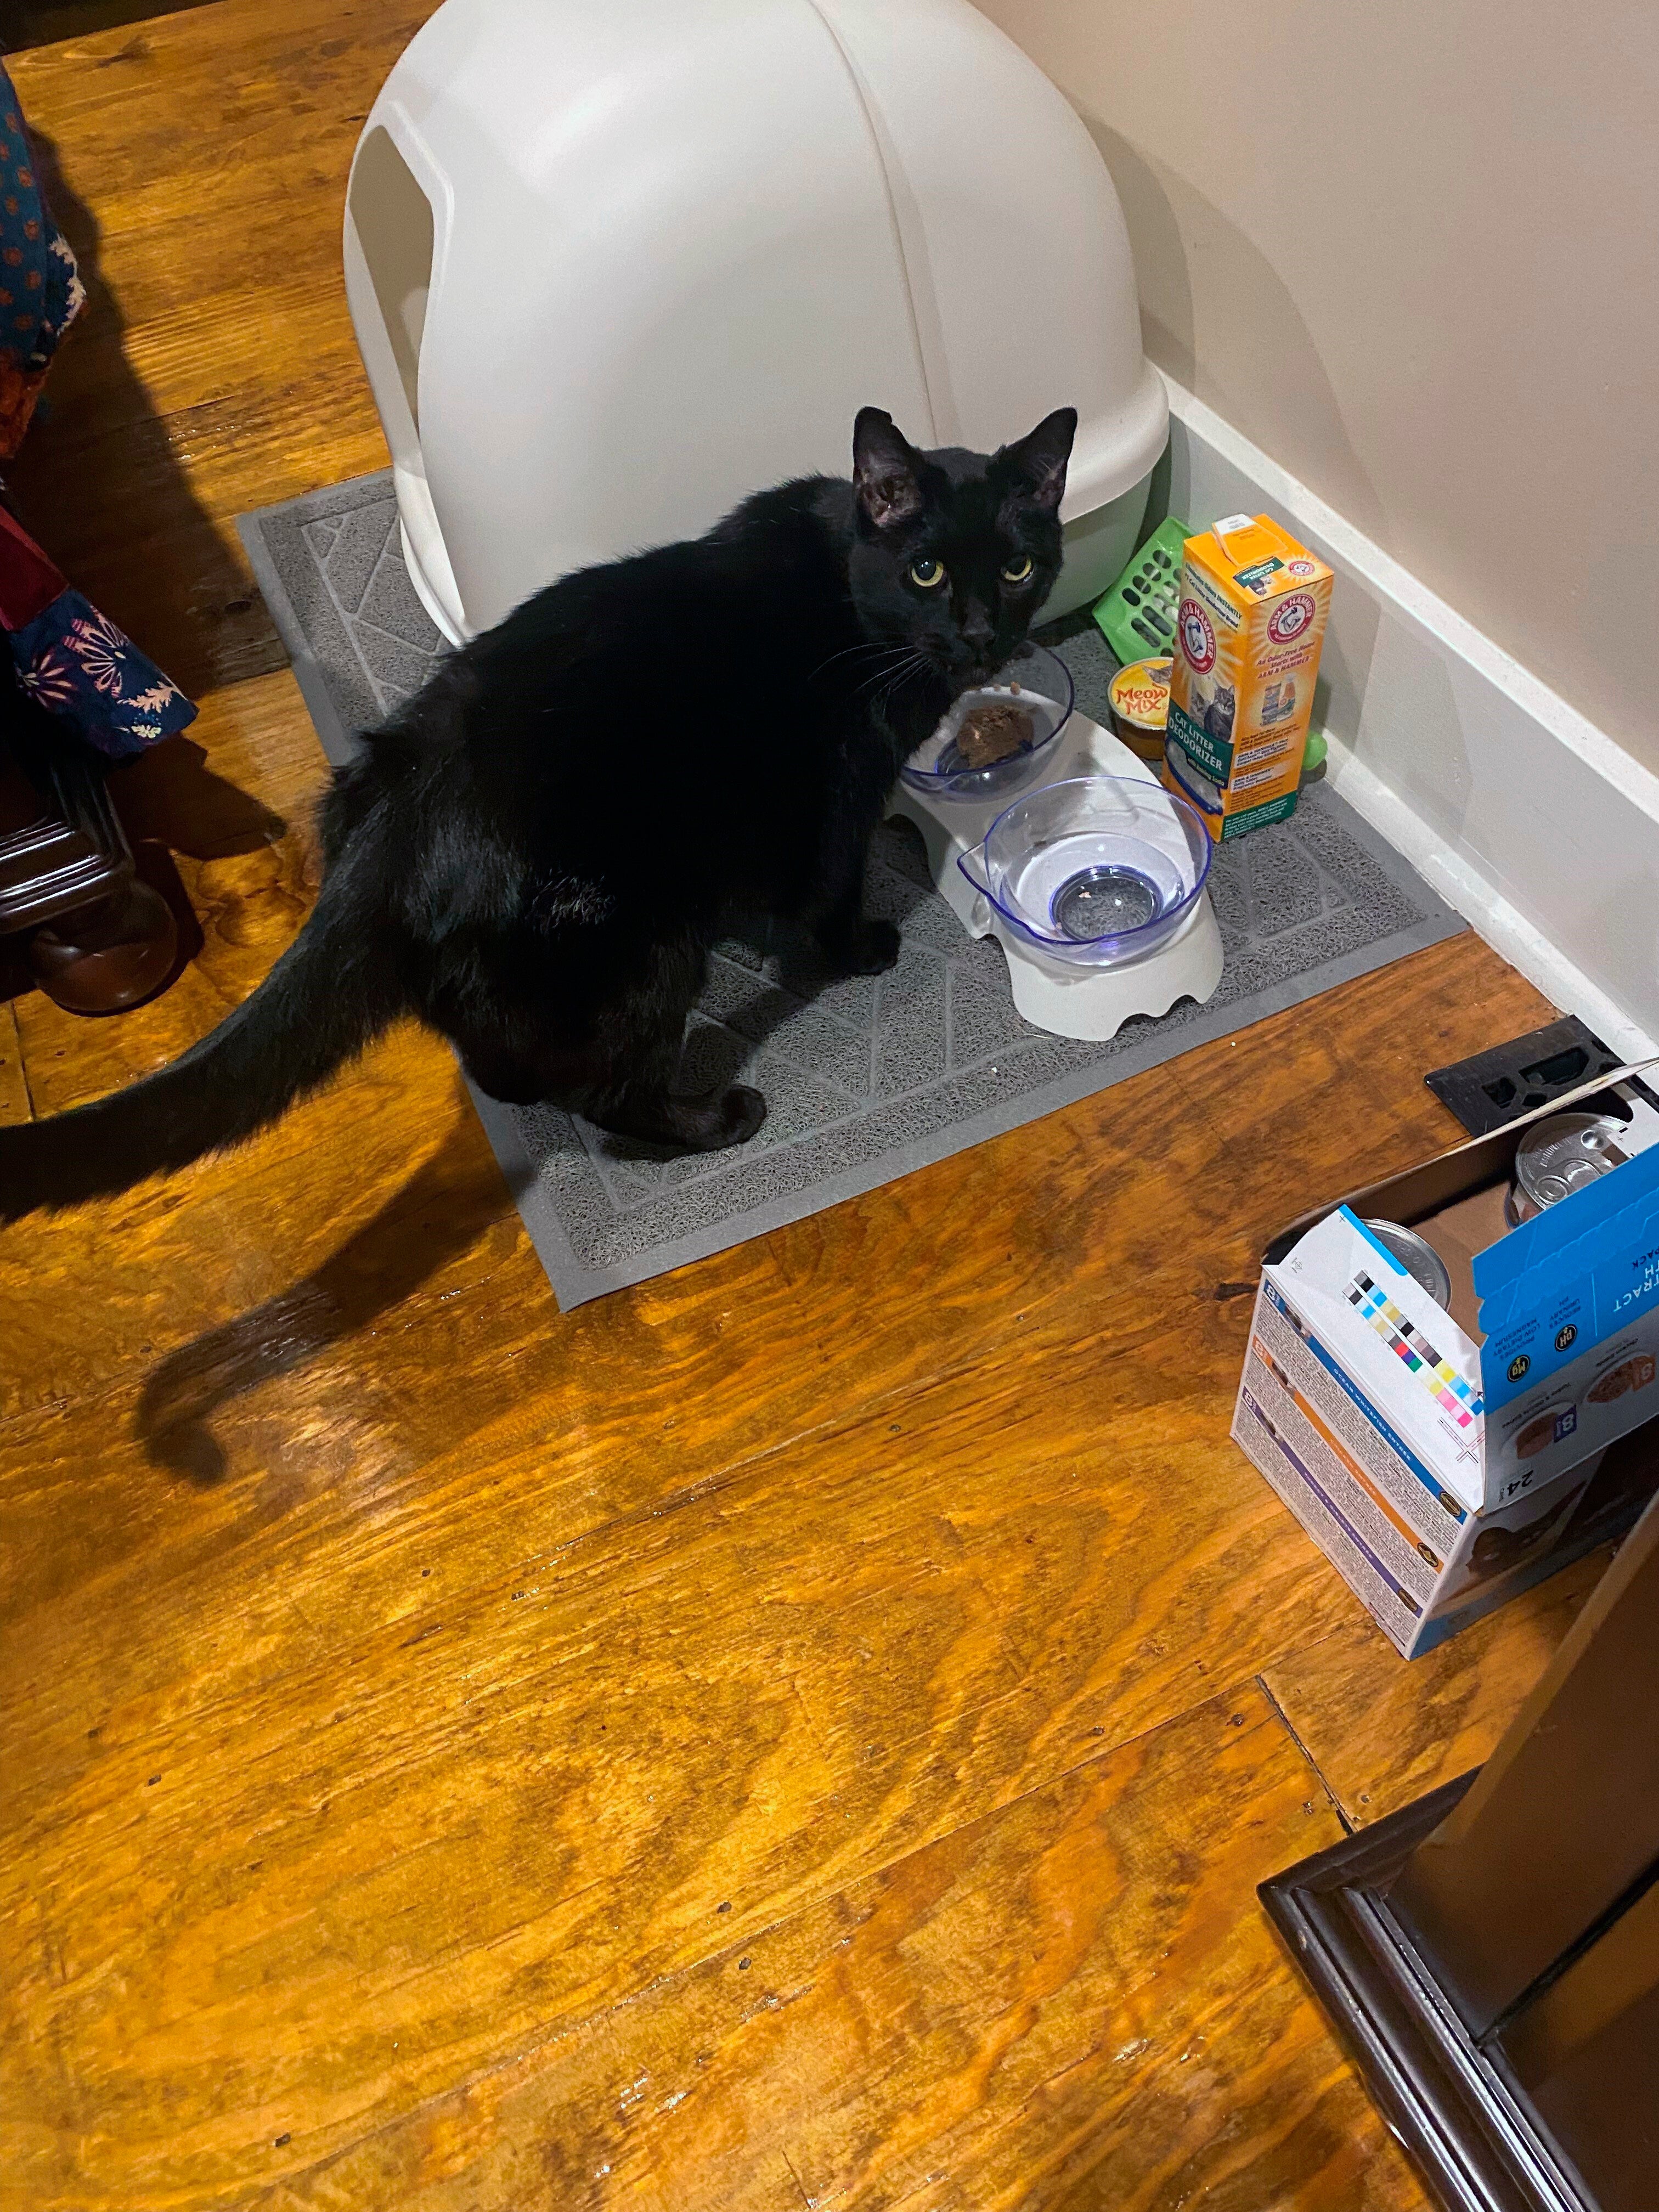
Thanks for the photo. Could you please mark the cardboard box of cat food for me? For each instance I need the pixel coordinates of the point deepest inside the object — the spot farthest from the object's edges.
(1447, 1455)
(1247, 633)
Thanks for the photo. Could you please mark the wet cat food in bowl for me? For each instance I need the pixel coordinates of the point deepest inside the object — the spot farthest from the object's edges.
(1094, 870)
(993, 732)
(995, 738)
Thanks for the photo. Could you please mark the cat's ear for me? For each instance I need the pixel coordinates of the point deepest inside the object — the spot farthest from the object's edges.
(884, 470)
(1037, 462)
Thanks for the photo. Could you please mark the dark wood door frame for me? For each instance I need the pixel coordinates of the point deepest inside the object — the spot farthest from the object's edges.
(1476, 1946)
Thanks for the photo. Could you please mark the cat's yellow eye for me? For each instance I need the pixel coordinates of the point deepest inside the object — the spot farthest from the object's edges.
(928, 573)
(1018, 571)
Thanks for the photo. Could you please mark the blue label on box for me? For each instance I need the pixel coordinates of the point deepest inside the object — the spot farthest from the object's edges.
(1567, 1279)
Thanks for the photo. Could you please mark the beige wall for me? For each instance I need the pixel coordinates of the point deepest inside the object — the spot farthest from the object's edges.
(1410, 248)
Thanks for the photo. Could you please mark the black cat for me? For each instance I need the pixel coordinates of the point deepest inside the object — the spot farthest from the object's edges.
(534, 855)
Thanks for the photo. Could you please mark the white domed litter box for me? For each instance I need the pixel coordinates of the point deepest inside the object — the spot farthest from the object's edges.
(614, 264)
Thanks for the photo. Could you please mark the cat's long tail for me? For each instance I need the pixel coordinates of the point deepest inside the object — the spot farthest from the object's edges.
(331, 994)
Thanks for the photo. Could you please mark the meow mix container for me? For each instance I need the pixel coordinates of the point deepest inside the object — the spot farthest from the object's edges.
(1248, 627)
(1139, 696)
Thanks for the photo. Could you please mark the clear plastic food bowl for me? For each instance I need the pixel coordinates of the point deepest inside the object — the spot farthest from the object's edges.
(1093, 871)
(1047, 695)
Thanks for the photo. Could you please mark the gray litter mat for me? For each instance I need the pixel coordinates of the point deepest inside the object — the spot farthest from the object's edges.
(866, 1078)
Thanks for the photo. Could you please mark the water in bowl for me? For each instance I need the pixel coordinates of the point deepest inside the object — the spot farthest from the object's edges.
(1104, 900)
(1096, 884)
(1093, 869)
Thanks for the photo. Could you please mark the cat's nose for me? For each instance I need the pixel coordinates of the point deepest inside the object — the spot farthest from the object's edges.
(976, 630)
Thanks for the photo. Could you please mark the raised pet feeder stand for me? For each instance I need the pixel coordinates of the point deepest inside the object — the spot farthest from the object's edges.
(1090, 1003)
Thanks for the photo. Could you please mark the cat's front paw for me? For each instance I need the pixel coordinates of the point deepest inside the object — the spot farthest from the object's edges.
(871, 948)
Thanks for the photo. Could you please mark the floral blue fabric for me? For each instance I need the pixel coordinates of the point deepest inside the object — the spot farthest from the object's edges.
(69, 658)
(84, 670)
(40, 293)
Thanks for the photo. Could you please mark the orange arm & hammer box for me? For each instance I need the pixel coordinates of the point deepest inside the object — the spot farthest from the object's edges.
(1249, 626)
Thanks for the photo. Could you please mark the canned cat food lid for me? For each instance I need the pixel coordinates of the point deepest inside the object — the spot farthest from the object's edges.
(1139, 697)
(1417, 1256)
(1564, 1154)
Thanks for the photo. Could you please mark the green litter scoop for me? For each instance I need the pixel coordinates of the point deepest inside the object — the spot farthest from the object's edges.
(1137, 616)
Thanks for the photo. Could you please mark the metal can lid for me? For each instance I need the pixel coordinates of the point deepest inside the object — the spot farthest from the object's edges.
(1417, 1256)
(1565, 1153)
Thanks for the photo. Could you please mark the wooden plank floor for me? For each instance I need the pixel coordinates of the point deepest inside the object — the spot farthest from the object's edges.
(806, 1730)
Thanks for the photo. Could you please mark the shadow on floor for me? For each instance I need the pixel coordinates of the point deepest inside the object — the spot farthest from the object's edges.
(25, 23)
(445, 1207)
(98, 485)
(170, 793)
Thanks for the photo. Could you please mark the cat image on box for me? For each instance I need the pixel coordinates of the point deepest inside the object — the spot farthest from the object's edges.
(1218, 714)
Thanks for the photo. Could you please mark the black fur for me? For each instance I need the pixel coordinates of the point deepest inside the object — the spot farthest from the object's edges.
(534, 855)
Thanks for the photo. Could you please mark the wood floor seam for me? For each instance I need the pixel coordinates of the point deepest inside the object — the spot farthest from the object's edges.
(1289, 1727)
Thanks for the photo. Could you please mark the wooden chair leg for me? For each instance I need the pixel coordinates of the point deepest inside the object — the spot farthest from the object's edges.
(96, 937)
(98, 959)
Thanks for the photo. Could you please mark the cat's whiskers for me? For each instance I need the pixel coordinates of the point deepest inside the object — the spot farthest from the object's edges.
(876, 646)
(909, 661)
(896, 680)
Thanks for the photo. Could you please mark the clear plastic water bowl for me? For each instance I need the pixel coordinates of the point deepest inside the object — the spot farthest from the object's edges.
(1035, 679)
(1093, 871)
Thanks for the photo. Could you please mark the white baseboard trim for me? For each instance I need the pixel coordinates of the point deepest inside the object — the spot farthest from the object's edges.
(1531, 822)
